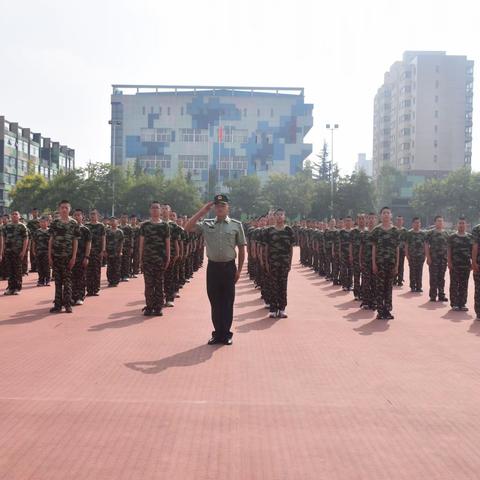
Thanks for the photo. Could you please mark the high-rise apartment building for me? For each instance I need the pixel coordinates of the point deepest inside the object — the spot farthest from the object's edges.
(23, 152)
(213, 134)
(423, 115)
(363, 164)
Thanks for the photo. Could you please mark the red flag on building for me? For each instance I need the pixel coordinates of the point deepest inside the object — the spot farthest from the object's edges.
(220, 134)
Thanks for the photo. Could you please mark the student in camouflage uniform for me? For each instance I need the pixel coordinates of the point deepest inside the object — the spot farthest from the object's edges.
(346, 255)
(385, 255)
(436, 246)
(114, 248)
(328, 238)
(476, 267)
(97, 254)
(106, 224)
(25, 258)
(127, 251)
(40, 241)
(82, 260)
(369, 297)
(154, 248)
(135, 265)
(356, 239)
(169, 272)
(33, 225)
(336, 252)
(15, 241)
(279, 241)
(399, 223)
(177, 223)
(3, 272)
(415, 253)
(460, 246)
(62, 253)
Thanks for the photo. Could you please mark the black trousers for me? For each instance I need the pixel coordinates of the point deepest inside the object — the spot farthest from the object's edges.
(221, 293)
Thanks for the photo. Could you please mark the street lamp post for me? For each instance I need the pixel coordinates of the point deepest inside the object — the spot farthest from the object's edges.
(114, 124)
(332, 128)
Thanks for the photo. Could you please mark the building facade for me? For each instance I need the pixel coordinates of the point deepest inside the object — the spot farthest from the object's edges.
(363, 164)
(211, 134)
(423, 115)
(23, 152)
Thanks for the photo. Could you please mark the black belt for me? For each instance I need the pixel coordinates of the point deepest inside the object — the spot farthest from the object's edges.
(221, 263)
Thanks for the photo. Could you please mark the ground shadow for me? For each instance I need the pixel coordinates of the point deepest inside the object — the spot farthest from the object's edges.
(475, 328)
(410, 295)
(457, 317)
(433, 305)
(189, 358)
(27, 316)
(126, 319)
(375, 326)
(359, 315)
(338, 293)
(137, 302)
(347, 305)
(261, 324)
(251, 315)
(257, 301)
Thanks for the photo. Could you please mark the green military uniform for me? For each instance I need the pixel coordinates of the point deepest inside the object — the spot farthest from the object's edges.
(114, 245)
(415, 242)
(79, 271)
(386, 243)
(41, 238)
(155, 237)
(63, 235)
(25, 257)
(33, 225)
(126, 251)
(476, 275)
(401, 256)
(14, 235)
(356, 240)
(369, 286)
(461, 255)
(328, 242)
(169, 275)
(437, 241)
(336, 257)
(280, 243)
(135, 265)
(346, 268)
(94, 268)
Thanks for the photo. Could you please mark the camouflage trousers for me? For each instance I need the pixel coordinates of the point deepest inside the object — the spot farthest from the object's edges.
(113, 269)
(63, 282)
(415, 265)
(79, 279)
(459, 286)
(357, 278)
(153, 277)
(279, 278)
(368, 286)
(13, 270)
(321, 263)
(384, 285)
(43, 268)
(125, 264)
(437, 269)
(476, 279)
(135, 267)
(25, 264)
(401, 267)
(169, 282)
(33, 259)
(315, 262)
(346, 272)
(328, 264)
(335, 269)
(94, 273)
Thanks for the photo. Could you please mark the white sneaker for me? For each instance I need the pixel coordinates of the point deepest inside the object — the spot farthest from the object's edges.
(16, 292)
(8, 292)
(267, 306)
(79, 302)
(169, 304)
(272, 315)
(282, 314)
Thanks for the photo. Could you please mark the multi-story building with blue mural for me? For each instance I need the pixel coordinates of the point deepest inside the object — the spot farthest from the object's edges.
(210, 133)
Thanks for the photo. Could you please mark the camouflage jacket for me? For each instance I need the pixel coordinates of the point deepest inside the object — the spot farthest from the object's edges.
(84, 238)
(114, 241)
(63, 235)
(386, 242)
(41, 238)
(97, 231)
(280, 243)
(127, 237)
(476, 239)
(438, 243)
(13, 235)
(345, 237)
(155, 236)
(461, 249)
(416, 243)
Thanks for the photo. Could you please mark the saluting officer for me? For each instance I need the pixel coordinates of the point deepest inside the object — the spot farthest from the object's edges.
(222, 236)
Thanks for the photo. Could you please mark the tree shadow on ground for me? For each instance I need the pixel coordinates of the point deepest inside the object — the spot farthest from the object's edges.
(261, 312)
(27, 316)
(475, 328)
(457, 317)
(126, 319)
(375, 326)
(188, 358)
(262, 324)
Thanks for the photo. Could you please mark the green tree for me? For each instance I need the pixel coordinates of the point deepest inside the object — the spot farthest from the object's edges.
(389, 184)
(183, 196)
(245, 194)
(29, 192)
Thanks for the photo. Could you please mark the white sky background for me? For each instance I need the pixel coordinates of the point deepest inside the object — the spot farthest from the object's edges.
(59, 58)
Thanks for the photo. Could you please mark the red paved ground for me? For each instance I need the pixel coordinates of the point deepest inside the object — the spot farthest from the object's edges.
(328, 393)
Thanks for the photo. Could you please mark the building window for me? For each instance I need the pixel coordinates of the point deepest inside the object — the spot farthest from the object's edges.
(164, 134)
(151, 109)
(436, 113)
(437, 83)
(437, 68)
(168, 110)
(435, 143)
(143, 110)
(244, 112)
(271, 112)
(436, 128)
(258, 112)
(435, 158)
(436, 98)
(181, 111)
(159, 110)
(193, 135)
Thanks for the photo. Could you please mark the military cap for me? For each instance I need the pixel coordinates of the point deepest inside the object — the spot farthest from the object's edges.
(220, 198)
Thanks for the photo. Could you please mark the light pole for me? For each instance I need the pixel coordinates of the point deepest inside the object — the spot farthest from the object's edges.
(332, 128)
(114, 124)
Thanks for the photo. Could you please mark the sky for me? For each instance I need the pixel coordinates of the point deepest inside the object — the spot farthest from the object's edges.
(59, 58)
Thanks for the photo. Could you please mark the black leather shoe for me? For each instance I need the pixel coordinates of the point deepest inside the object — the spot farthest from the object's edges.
(228, 341)
(157, 312)
(214, 341)
(55, 309)
(68, 309)
(443, 299)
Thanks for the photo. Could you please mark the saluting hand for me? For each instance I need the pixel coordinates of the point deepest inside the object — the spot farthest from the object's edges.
(206, 208)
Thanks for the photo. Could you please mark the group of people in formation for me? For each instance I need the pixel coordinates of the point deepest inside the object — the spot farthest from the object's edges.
(367, 256)
(64, 248)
